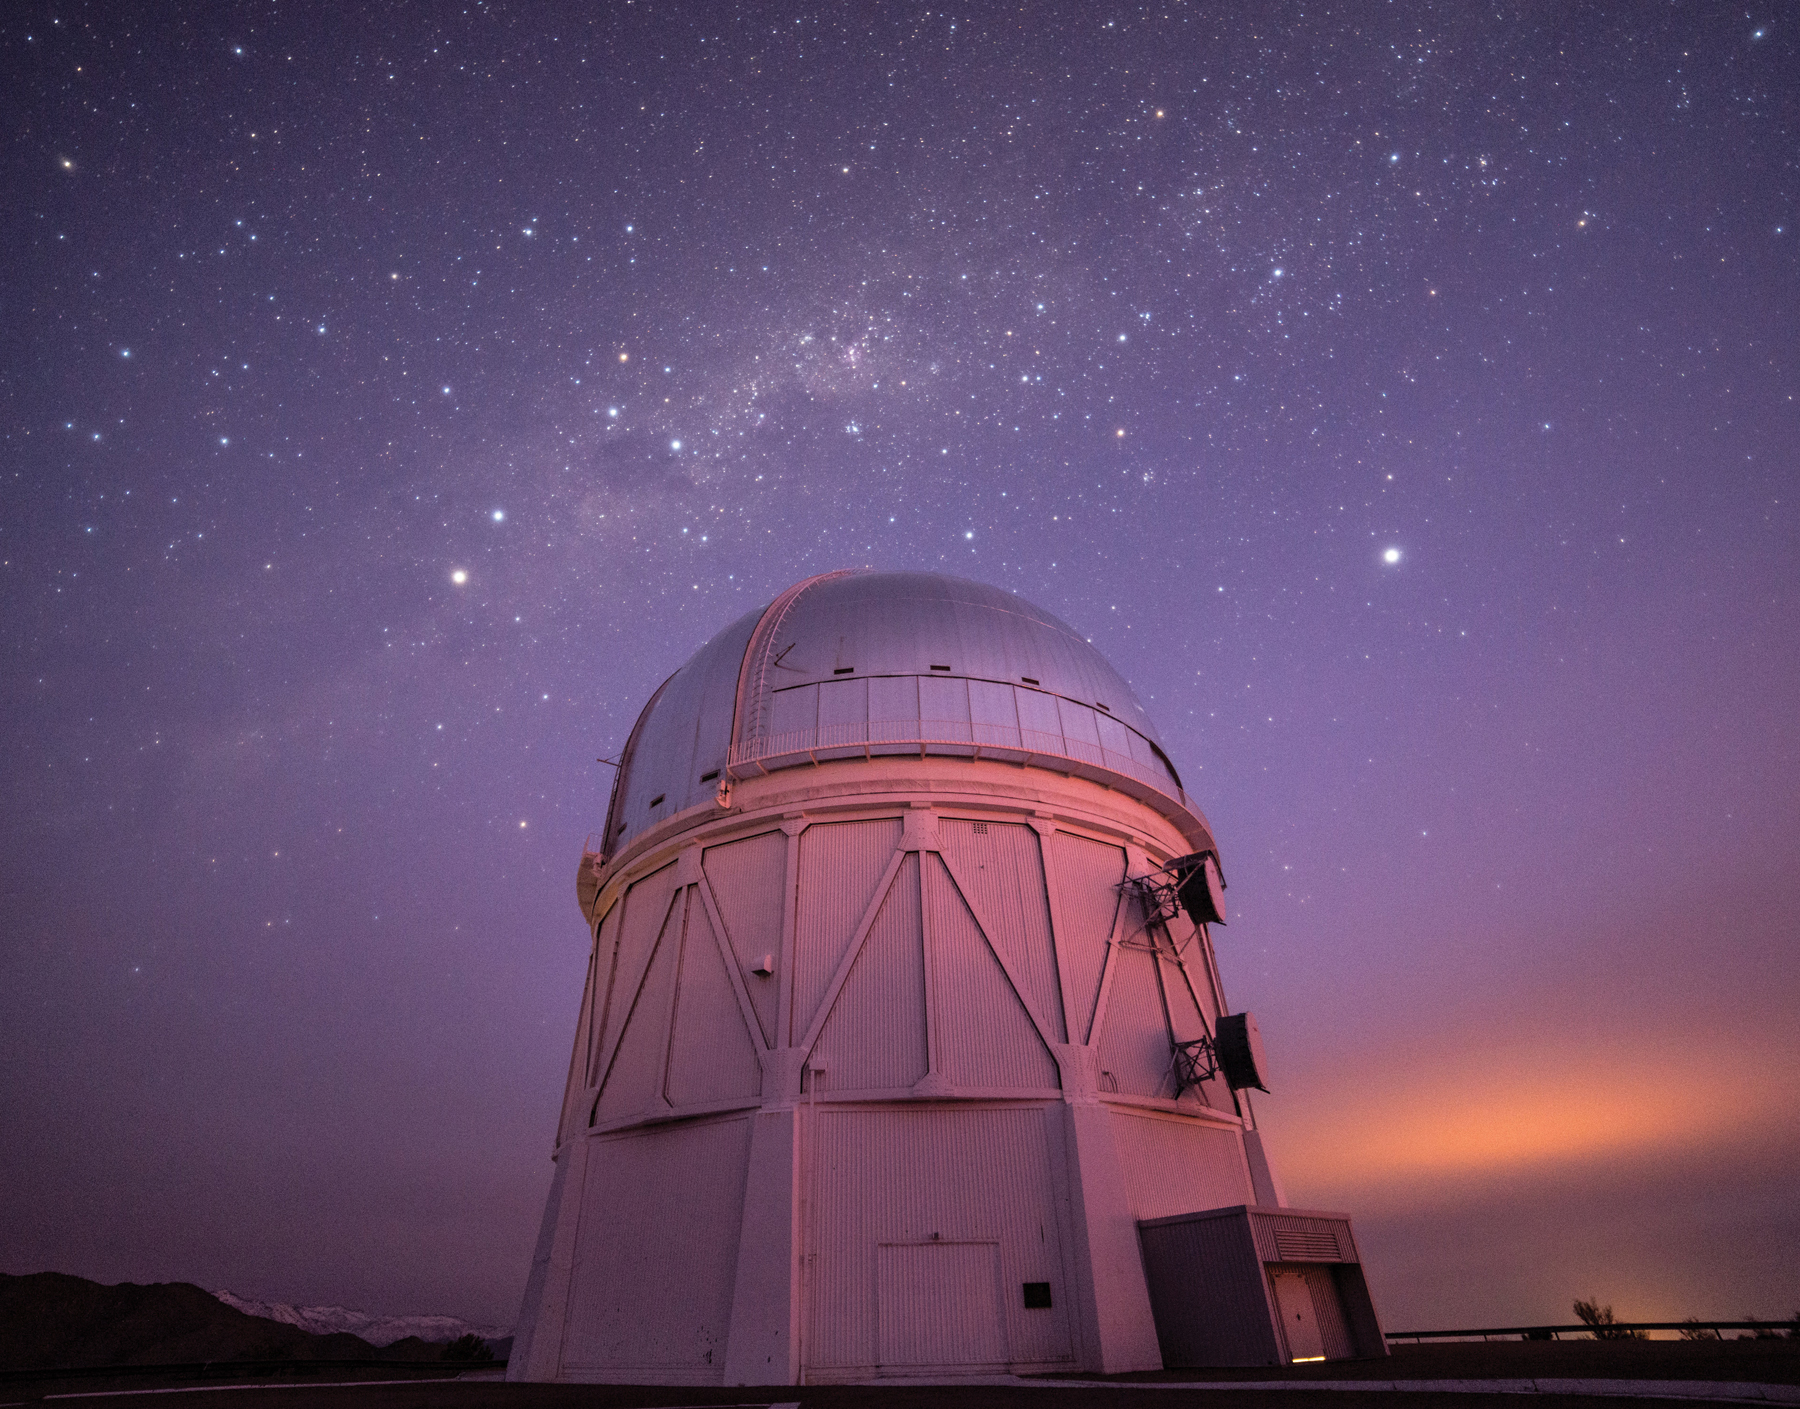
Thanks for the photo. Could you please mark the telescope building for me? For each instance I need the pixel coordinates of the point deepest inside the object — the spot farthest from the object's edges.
(903, 1051)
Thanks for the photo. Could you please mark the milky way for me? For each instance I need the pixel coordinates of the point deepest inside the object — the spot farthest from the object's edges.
(1401, 396)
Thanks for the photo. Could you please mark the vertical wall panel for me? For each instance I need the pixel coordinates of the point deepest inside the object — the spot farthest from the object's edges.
(1039, 722)
(900, 1176)
(843, 711)
(606, 957)
(640, 916)
(794, 711)
(1174, 1165)
(944, 707)
(711, 1056)
(1087, 875)
(875, 1036)
(984, 1036)
(1005, 871)
(1186, 1024)
(1134, 1035)
(993, 714)
(939, 1304)
(894, 709)
(840, 862)
(657, 1251)
(635, 1078)
(747, 877)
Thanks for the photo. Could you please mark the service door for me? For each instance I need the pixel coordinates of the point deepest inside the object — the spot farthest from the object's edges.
(1293, 1298)
(939, 1305)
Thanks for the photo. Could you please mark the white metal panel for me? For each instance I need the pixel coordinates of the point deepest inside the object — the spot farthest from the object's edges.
(939, 1306)
(840, 862)
(747, 878)
(995, 717)
(843, 711)
(1134, 1034)
(657, 1249)
(875, 1036)
(903, 1175)
(643, 910)
(634, 1078)
(894, 707)
(606, 954)
(1081, 735)
(711, 1055)
(1002, 864)
(1039, 720)
(794, 711)
(1299, 1326)
(944, 707)
(1173, 1164)
(1087, 877)
(985, 1038)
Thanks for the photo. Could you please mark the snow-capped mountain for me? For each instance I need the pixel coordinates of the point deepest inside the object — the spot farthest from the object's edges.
(376, 1330)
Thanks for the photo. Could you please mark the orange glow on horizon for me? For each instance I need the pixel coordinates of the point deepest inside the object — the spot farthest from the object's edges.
(1444, 1119)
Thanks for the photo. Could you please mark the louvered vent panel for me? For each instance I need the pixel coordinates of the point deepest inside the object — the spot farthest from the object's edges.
(1306, 1244)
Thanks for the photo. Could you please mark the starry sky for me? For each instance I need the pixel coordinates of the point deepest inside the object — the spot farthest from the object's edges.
(1401, 396)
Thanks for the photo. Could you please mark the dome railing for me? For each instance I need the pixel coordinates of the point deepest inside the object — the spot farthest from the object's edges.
(959, 738)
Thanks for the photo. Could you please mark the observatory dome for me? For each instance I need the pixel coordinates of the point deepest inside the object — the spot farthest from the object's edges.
(862, 664)
(902, 1049)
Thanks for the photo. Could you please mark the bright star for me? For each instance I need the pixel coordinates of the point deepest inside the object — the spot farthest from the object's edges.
(674, 445)
(1391, 556)
(459, 577)
(499, 515)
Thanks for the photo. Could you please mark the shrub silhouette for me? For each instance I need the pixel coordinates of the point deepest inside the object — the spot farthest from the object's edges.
(1603, 1323)
(469, 1347)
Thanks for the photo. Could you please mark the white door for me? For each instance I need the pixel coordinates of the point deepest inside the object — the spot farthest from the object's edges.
(939, 1305)
(1293, 1298)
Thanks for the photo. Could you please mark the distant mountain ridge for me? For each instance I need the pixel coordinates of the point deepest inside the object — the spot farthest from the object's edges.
(52, 1319)
(376, 1330)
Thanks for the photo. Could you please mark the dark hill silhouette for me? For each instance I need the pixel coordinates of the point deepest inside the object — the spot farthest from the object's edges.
(49, 1319)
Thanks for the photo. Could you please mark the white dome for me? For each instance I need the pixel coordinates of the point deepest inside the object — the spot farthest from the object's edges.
(854, 664)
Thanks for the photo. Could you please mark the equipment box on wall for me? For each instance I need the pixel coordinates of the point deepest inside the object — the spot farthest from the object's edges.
(1257, 1286)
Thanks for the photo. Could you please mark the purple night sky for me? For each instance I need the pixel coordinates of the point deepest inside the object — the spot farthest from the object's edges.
(1402, 397)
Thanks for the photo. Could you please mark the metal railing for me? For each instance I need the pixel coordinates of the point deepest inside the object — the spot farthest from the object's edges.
(1585, 1331)
(1013, 743)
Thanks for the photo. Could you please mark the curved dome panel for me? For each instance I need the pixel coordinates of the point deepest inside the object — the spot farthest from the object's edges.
(863, 664)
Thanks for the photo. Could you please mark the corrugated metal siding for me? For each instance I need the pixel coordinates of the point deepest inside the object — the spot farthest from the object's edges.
(970, 1175)
(606, 975)
(1087, 876)
(1004, 869)
(1176, 1165)
(875, 1036)
(1186, 1024)
(939, 1304)
(1207, 1294)
(640, 918)
(711, 1055)
(634, 1078)
(840, 862)
(746, 878)
(1134, 1034)
(1298, 1237)
(984, 1036)
(1328, 1311)
(656, 1253)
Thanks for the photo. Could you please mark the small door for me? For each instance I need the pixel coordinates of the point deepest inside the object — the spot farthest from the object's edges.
(939, 1305)
(1293, 1299)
